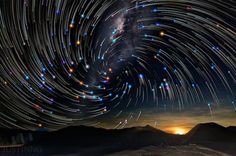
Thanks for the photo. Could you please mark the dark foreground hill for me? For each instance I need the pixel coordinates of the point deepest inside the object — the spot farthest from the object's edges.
(211, 132)
(89, 140)
(97, 141)
(213, 136)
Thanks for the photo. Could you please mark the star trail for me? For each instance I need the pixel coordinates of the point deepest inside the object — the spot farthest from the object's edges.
(78, 61)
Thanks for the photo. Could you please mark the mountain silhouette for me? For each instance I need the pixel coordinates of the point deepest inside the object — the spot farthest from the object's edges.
(213, 136)
(104, 140)
(232, 128)
(90, 140)
(211, 132)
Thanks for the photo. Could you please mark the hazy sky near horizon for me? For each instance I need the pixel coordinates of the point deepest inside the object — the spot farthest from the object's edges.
(166, 121)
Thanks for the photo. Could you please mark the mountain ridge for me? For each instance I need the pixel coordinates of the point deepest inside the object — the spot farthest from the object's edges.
(99, 140)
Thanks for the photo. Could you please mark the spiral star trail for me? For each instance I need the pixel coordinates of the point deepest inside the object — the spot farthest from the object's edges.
(76, 61)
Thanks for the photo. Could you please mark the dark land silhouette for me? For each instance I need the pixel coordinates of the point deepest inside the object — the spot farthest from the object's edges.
(84, 140)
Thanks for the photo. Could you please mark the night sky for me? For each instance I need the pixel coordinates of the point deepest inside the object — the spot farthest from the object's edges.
(117, 63)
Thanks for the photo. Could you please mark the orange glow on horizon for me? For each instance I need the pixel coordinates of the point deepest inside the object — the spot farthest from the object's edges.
(177, 130)
(180, 131)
